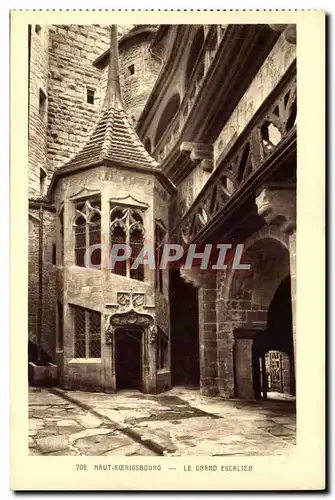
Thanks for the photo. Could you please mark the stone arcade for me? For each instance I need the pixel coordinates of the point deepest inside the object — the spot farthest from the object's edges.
(182, 134)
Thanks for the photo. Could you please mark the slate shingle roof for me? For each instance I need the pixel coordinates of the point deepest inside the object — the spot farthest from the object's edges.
(113, 139)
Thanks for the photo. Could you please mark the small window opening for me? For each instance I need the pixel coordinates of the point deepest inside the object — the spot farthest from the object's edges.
(42, 104)
(90, 96)
(54, 254)
(43, 180)
(131, 69)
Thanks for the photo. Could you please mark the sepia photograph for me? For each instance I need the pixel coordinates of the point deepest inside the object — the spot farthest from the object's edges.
(162, 239)
(167, 214)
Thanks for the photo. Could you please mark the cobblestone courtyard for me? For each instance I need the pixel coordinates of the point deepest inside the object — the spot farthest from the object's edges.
(176, 423)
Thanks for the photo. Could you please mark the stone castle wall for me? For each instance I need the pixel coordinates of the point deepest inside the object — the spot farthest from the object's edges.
(38, 83)
(42, 296)
(138, 74)
(61, 65)
(72, 50)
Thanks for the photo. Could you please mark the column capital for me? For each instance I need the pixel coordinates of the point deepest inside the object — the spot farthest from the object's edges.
(198, 278)
(199, 152)
(276, 203)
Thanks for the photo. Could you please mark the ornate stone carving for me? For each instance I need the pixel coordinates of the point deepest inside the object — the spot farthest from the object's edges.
(108, 330)
(126, 300)
(152, 333)
(199, 153)
(131, 317)
(123, 299)
(109, 335)
(277, 204)
(137, 300)
(130, 309)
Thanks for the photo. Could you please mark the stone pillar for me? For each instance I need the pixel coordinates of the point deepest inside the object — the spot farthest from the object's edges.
(149, 359)
(108, 355)
(293, 273)
(207, 340)
(286, 374)
(244, 366)
(206, 284)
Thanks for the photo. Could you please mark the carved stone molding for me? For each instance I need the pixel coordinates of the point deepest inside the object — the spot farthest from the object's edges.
(130, 310)
(128, 318)
(153, 330)
(199, 153)
(85, 192)
(109, 330)
(128, 201)
(109, 335)
(128, 299)
(277, 205)
(131, 318)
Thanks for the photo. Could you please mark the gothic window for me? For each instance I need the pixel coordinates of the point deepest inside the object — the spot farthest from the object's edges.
(87, 333)
(159, 243)
(126, 227)
(87, 232)
(162, 351)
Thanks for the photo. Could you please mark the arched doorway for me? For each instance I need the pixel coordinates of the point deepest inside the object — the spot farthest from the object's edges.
(260, 310)
(273, 348)
(128, 358)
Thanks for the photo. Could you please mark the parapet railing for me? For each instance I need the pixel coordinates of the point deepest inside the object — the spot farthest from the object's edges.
(264, 134)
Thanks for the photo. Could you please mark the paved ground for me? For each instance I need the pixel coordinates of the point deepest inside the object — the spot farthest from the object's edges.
(179, 422)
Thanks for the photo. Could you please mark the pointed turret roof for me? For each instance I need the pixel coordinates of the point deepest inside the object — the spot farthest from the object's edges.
(114, 138)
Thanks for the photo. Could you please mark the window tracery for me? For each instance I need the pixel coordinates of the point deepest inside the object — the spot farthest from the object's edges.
(87, 231)
(126, 227)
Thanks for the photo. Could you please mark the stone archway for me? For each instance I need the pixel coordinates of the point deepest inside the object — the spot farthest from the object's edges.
(243, 308)
(273, 351)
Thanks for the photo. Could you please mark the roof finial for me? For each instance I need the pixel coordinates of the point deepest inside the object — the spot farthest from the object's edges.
(113, 91)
